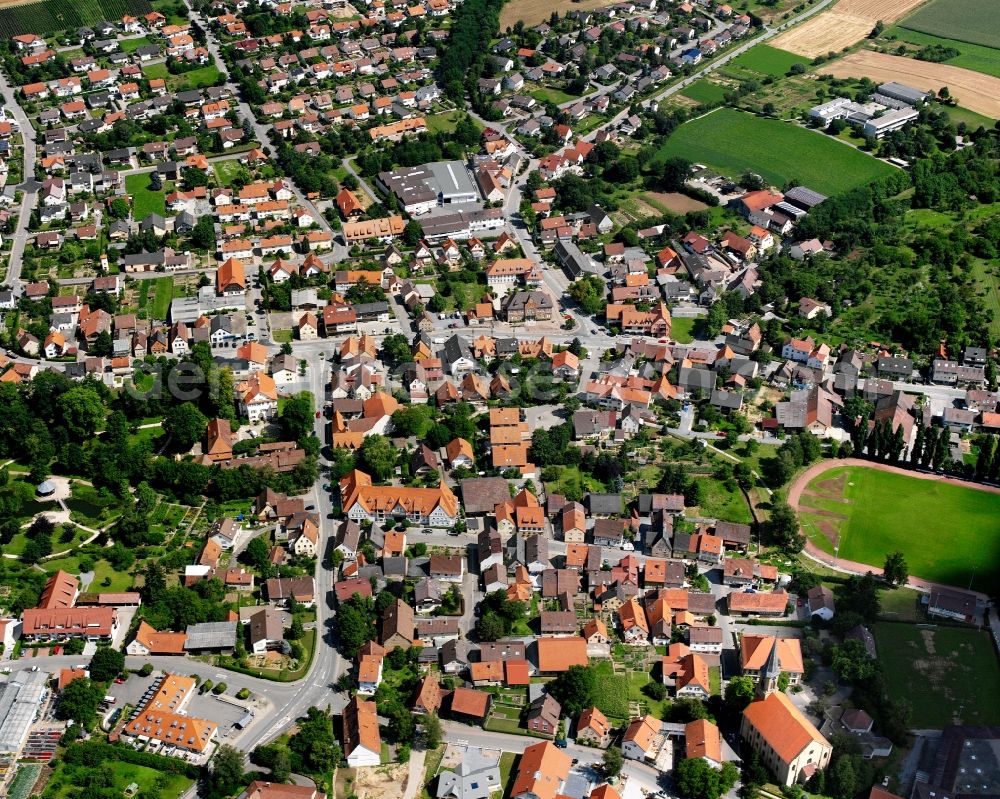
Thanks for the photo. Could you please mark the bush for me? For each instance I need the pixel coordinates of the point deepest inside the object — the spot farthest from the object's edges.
(146, 670)
(243, 693)
(220, 688)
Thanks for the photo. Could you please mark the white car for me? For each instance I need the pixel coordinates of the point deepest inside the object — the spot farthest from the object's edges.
(628, 546)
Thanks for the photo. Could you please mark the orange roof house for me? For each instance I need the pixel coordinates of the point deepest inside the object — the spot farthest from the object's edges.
(470, 702)
(702, 739)
(556, 655)
(542, 771)
(231, 277)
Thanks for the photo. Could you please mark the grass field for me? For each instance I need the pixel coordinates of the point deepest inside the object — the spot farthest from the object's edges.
(547, 94)
(155, 71)
(161, 300)
(971, 56)
(733, 142)
(682, 329)
(195, 79)
(947, 532)
(704, 91)
(145, 201)
(965, 20)
(768, 60)
(225, 171)
(150, 781)
(446, 122)
(949, 675)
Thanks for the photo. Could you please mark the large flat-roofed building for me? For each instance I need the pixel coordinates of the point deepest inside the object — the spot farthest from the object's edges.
(902, 92)
(422, 188)
(889, 121)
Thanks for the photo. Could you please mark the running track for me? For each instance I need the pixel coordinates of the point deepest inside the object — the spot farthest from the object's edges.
(849, 566)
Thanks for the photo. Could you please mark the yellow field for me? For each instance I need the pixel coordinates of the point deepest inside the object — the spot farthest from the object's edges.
(848, 22)
(535, 12)
(972, 90)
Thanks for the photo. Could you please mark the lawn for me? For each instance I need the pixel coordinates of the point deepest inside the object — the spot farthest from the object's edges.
(155, 71)
(947, 532)
(971, 56)
(730, 506)
(965, 20)
(131, 45)
(682, 328)
(195, 79)
(768, 60)
(161, 300)
(571, 482)
(704, 91)
(734, 142)
(145, 201)
(446, 122)
(949, 675)
(225, 171)
(548, 94)
(150, 782)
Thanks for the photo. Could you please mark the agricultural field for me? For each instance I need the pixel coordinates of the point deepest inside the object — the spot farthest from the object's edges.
(947, 531)
(533, 12)
(50, 16)
(949, 675)
(734, 142)
(971, 56)
(704, 91)
(847, 23)
(768, 60)
(972, 90)
(145, 201)
(972, 21)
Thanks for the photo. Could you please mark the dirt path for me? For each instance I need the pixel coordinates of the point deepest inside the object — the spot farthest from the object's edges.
(798, 488)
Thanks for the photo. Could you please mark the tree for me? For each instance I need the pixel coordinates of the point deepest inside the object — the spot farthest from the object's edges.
(378, 456)
(106, 664)
(716, 320)
(490, 627)
(432, 731)
(842, 781)
(612, 761)
(203, 234)
(185, 425)
(281, 765)
(895, 571)
(412, 233)
(851, 662)
(694, 778)
(356, 623)
(783, 528)
(395, 349)
(575, 688)
(119, 209)
(313, 748)
(79, 700)
(740, 692)
(256, 553)
(226, 771)
(297, 416)
(296, 631)
(82, 411)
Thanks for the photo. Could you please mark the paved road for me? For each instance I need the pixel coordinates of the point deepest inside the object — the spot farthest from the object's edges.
(29, 199)
(262, 133)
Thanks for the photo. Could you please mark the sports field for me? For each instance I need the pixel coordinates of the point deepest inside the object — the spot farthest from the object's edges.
(734, 142)
(971, 56)
(949, 533)
(769, 60)
(965, 20)
(949, 675)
